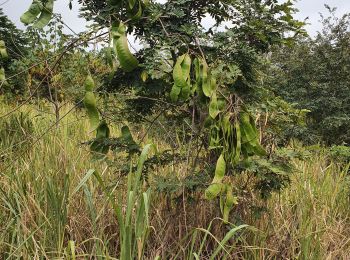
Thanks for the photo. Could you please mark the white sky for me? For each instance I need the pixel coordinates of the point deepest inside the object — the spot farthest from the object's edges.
(307, 8)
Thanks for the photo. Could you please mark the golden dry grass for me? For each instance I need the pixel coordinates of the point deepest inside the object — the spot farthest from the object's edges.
(42, 216)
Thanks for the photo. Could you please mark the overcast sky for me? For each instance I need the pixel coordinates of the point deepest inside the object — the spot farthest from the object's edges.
(307, 8)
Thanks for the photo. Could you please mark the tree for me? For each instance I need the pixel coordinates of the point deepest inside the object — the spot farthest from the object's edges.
(14, 38)
(15, 42)
(208, 77)
(314, 74)
(53, 81)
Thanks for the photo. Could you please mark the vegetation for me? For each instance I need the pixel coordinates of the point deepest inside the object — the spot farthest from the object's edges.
(202, 143)
(314, 74)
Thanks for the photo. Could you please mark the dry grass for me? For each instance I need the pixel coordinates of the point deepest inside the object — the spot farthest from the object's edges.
(42, 216)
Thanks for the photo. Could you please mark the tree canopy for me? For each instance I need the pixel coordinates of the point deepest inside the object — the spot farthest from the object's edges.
(314, 74)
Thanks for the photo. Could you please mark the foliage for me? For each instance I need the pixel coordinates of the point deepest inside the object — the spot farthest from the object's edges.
(134, 224)
(50, 209)
(15, 39)
(90, 104)
(209, 89)
(206, 76)
(340, 153)
(58, 71)
(135, 230)
(315, 75)
(13, 43)
(194, 254)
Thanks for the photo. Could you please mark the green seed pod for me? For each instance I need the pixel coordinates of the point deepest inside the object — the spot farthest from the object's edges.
(109, 56)
(2, 75)
(45, 16)
(175, 92)
(144, 76)
(213, 106)
(181, 76)
(34, 10)
(132, 3)
(250, 142)
(216, 186)
(127, 61)
(221, 104)
(197, 69)
(213, 85)
(186, 67)
(213, 191)
(230, 201)
(185, 91)
(102, 132)
(249, 133)
(3, 52)
(91, 110)
(89, 83)
(138, 14)
(205, 79)
(238, 142)
(178, 76)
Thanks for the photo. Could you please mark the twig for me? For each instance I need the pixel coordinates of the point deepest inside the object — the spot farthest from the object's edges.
(152, 123)
(191, 139)
(200, 49)
(161, 23)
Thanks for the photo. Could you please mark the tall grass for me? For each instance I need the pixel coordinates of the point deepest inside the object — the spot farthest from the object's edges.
(310, 218)
(52, 206)
(37, 181)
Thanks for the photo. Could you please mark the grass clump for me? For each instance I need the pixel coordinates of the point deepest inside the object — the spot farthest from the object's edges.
(54, 206)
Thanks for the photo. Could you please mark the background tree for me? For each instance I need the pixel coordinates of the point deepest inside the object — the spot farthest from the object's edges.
(15, 42)
(314, 74)
(15, 39)
(206, 82)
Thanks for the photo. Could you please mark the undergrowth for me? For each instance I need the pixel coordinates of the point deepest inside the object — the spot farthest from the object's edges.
(59, 201)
